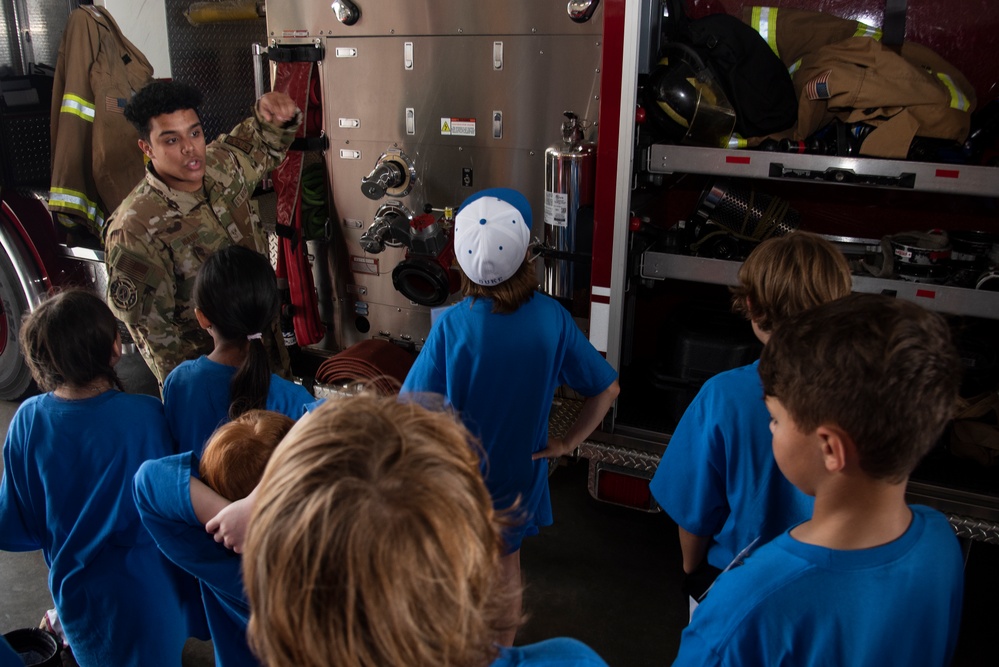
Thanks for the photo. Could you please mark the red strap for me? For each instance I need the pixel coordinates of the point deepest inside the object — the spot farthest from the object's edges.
(295, 79)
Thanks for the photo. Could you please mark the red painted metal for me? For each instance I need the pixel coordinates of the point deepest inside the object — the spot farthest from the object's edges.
(608, 133)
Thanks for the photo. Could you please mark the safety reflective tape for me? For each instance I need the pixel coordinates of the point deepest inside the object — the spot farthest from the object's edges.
(77, 201)
(764, 21)
(958, 100)
(78, 106)
(794, 67)
(864, 30)
(735, 141)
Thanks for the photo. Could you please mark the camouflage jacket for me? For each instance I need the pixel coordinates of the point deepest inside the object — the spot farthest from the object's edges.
(157, 239)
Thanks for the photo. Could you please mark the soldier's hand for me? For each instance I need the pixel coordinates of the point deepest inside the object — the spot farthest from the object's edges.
(277, 108)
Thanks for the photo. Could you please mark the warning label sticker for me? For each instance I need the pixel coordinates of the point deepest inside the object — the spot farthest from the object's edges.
(462, 127)
(556, 209)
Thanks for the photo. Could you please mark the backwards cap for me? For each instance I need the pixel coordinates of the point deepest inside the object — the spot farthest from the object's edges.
(492, 231)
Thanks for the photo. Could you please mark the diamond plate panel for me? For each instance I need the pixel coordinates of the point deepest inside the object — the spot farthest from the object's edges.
(974, 529)
(215, 58)
(47, 20)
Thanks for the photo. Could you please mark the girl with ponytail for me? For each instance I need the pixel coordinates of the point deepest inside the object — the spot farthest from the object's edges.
(236, 299)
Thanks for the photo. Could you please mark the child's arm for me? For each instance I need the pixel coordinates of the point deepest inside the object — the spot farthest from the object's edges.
(694, 548)
(589, 418)
(230, 524)
(205, 501)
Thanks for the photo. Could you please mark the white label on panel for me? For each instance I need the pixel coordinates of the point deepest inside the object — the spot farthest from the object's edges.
(346, 52)
(463, 127)
(347, 154)
(350, 122)
(556, 209)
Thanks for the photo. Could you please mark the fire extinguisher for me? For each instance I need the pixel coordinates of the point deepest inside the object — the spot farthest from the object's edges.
(569, 189)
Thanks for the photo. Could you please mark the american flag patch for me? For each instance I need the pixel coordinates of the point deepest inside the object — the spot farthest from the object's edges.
(114, 104)
(818, 88)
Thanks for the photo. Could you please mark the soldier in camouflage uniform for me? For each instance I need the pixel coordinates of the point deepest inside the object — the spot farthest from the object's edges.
(195, 199)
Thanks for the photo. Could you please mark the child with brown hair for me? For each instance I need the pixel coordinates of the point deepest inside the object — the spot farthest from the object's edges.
(374, 541)
(68, 458)
(175, 504)
(500, 354)
(859, 390)
(717, 479)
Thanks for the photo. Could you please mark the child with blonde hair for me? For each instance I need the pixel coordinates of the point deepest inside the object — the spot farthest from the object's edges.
(175, 504)
(717, 479)
(69, 457)
(374, 541)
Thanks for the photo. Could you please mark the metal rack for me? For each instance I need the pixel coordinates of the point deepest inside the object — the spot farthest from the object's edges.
(973, 513)
(941, 298)
(865, 172)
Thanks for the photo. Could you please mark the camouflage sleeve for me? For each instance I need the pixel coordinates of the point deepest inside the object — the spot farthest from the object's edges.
(142, 294)
(259, 146)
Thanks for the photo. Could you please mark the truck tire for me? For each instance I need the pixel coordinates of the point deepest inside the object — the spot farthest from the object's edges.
(15, 378)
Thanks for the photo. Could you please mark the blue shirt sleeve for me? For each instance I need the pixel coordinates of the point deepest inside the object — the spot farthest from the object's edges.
(584, 369)
(427, 375)
(162, 490)
(17, 532)
(687, 483)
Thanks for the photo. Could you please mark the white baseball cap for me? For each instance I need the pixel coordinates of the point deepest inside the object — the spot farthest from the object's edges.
(492, 231)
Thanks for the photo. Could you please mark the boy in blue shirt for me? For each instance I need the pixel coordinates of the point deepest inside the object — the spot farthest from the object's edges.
(717, 479)
(859, 390)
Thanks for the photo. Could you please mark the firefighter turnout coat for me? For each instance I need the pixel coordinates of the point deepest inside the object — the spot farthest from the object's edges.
(96, 160)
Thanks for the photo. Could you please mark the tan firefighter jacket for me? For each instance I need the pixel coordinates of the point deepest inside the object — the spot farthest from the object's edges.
(841, 70)
(96, 160)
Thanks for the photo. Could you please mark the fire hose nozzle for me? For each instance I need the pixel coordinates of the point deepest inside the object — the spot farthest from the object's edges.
(385, 175)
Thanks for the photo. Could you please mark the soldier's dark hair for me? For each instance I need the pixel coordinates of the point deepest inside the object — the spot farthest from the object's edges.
(237, 291)
(69, 340)
(883, 370)
(158, 98)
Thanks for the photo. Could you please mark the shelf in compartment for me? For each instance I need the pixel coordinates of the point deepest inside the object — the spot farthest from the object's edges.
(941, 298)
(866, 172)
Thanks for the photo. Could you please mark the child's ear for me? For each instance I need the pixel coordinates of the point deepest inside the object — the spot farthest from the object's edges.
(116, 350)
(203, 321)
(837, 447)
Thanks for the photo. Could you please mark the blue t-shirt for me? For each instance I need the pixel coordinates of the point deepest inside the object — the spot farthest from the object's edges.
(500, 372)
(66, 490)
(163, 496)
(793, 603)
(196, 400)
(558, 652)
(719, 477)
(8, 658)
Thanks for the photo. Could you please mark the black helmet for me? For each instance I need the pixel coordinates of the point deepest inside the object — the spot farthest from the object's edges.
(686, 102)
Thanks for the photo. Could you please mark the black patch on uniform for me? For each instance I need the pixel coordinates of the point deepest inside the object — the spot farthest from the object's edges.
(172, 225)
(123, 293)
(241, 144)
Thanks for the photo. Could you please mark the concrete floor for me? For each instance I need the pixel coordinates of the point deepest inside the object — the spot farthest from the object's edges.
(606, 575)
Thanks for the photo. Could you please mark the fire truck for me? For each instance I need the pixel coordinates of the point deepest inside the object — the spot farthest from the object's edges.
(417, 105)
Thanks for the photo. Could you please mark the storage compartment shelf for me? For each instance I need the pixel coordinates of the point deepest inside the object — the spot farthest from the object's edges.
(941, 298)
(956, 179)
